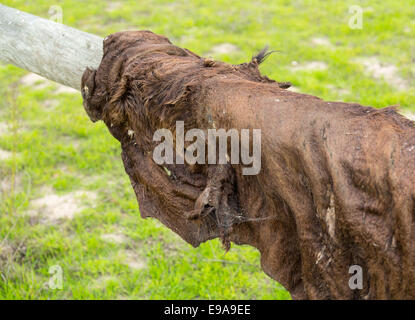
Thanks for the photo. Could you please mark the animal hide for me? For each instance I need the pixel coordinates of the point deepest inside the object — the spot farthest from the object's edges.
(336, 185)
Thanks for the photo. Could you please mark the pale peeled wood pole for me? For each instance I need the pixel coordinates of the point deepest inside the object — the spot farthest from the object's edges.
(52, 50)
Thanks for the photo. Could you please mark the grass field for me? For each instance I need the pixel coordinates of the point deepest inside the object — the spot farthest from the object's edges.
(65, 200)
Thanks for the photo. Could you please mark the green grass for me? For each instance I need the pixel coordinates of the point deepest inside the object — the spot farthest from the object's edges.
(55, 149)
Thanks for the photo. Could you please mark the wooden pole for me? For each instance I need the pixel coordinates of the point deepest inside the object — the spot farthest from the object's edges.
(52, 50)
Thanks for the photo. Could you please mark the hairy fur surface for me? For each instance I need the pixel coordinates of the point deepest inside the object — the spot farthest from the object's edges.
(336, 187)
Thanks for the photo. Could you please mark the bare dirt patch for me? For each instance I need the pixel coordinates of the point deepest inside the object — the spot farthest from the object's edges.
(10, 128)
(4, 128)
(410, 115)
(133, 260)
(35, 81)
(9, 183)
(112, 6)
(5, 155)
(380, 70)
(293, 89)
(65, 89)
(50, 103)
(308, 66)
(321, 42)
(53, 207)
(341, 92)
(117, 237)
(223, 48)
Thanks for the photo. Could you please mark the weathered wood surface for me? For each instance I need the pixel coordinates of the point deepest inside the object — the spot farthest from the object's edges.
(52, 50)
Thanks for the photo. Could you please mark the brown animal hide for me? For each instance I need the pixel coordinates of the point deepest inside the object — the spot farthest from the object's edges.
(336, 186)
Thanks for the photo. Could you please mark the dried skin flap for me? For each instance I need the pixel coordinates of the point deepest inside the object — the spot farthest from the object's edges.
(336, 184)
